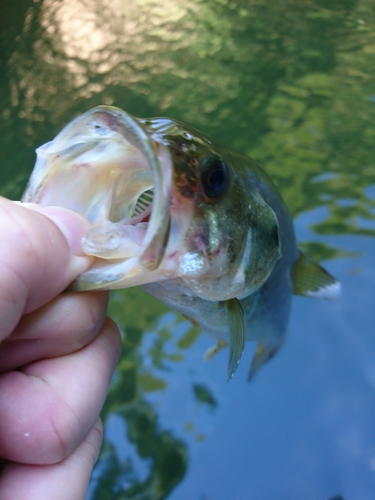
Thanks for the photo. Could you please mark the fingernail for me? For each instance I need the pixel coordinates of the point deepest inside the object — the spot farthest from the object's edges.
(73, 226)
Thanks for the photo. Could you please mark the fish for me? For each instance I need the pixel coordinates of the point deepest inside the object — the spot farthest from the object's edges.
(197, 225)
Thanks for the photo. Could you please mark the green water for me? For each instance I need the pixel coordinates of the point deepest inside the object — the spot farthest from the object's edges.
(292, 83)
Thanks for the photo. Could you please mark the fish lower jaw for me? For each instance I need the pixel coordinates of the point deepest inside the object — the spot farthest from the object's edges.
(108, 274)
(114, 240)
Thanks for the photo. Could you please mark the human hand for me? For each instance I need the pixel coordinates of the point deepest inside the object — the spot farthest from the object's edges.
(57, 354)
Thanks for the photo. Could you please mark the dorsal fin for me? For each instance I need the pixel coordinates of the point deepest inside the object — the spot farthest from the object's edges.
(236, 334)
(311, 280)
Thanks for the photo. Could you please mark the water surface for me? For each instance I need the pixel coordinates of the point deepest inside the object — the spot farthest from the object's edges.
(292, 84)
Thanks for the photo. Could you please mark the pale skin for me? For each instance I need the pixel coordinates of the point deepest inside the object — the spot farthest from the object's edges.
(58, 352)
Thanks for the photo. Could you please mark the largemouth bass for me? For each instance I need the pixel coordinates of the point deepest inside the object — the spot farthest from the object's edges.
(199, 226)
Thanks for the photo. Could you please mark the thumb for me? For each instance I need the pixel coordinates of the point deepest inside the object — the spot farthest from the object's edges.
(40, 255)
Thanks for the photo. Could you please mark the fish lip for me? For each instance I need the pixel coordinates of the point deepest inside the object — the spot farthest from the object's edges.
(85, 133)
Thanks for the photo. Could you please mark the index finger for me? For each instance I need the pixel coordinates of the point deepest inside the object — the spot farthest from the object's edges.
(40, 255)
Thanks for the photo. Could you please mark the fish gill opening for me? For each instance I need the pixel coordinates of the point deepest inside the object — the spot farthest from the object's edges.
(143, 206)
(132, 197)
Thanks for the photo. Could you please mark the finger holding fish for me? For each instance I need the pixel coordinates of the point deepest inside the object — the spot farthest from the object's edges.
(64, 325)
(42, 255)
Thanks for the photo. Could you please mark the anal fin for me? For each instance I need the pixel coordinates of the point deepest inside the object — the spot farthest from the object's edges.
(262, 354)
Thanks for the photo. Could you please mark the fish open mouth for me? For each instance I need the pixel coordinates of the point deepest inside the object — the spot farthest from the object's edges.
(107, 166)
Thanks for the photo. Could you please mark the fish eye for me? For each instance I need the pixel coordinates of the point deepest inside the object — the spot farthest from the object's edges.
(215, 177)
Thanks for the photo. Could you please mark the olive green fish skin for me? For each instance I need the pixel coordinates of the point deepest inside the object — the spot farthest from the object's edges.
(236, 214)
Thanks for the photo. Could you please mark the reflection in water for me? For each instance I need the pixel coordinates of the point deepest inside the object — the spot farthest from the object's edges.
(290, 83)
(165, 455)
(280, 88)
(136, 392)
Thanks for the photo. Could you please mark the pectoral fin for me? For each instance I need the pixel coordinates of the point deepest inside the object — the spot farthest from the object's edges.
(311, 280)
(236, 334)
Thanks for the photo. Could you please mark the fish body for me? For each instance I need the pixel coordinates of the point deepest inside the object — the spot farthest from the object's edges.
(255, 222)
(197, 225)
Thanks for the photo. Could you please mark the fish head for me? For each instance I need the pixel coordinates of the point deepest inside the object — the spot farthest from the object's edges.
(165, 201)
(219, 222)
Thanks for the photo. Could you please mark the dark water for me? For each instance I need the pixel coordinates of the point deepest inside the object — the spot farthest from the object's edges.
(292, 83)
